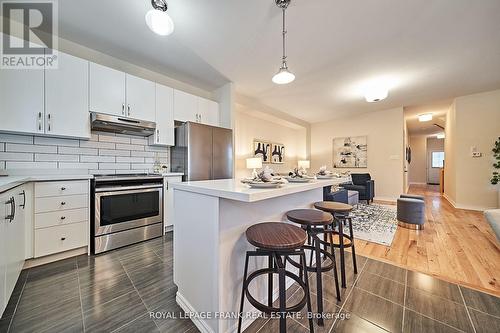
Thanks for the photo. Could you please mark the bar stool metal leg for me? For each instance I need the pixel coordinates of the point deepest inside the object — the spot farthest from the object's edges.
(308, 294)
(282, 300)
(335, 274)
(319, 282)
(243, 288)
(270, 283)
(342, 251)
(352, 246)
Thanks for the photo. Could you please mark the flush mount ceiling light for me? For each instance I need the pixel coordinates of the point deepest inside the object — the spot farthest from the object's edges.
(376, 94)
(425, 117)
(283, 76)
(158, 20)
(440, 136)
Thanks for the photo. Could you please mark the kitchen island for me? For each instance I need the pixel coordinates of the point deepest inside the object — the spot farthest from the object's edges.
(210, 220)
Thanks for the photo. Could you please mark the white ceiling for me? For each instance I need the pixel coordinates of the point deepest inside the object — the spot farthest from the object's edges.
(427, 50)
(437, 109)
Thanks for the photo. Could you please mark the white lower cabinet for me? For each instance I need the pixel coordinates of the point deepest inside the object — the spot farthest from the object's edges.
(168, 198)
(12, 245)
(61, 216)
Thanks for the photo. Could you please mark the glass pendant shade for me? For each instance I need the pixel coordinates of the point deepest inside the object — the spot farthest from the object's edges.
(159, 22)
(283, 76)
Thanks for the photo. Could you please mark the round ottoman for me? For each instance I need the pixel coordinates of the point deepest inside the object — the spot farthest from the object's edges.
(411, 213)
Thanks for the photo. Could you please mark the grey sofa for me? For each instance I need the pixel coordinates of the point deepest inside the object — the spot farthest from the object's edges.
(411, 211)
(493, 218)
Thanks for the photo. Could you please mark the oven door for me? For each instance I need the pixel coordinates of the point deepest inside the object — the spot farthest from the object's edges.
(117, 210)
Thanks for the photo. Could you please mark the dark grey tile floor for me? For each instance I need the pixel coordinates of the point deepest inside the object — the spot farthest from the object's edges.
(115, 292)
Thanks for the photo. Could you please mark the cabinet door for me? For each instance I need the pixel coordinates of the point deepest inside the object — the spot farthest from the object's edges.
(185, 106)
(164, 134)
(140, 98)
(208, 111)
(15, 242)
(3, 250)
(21, 100)
(66, 98)
(107, 90)
(169, 195)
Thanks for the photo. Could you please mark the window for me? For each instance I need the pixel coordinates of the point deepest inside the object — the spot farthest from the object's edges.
(438, 159)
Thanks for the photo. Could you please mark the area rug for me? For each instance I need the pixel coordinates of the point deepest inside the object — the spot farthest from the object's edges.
(375, 223)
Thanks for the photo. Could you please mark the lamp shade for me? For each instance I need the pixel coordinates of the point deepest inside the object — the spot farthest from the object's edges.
(159, 22)
(305, 164)
(254, 163)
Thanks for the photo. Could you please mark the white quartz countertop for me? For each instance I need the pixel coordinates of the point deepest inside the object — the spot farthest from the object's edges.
(8, 182)
(233, 189)
(172, 174)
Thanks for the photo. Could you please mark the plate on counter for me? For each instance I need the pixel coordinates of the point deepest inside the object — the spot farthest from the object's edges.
(264, 185)
(324, 176)
(298, 180)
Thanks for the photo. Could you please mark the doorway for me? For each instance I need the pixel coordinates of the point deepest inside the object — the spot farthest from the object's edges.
(435, 163)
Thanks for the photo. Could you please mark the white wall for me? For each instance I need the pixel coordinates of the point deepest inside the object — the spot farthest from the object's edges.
(475, 123)
(417, 172)
(251, 125)
(385, 131)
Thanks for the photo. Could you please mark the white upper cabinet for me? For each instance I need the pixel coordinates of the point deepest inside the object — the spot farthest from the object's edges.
(21, 100)
(66, 98)
(208, 111)
(107, 90)
(164, 134)
(185, 106)
(140, 98)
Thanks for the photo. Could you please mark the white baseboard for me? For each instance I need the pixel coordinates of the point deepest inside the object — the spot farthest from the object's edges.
(187, 307)
(387, 199)
(54, 257)
(465, 207)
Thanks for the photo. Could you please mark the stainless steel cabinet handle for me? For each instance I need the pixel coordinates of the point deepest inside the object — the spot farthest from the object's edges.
(12, 203)
(128, 109)
(123, 108)
(23, 205)
(39, 121)
(48, 121)
(157, 135)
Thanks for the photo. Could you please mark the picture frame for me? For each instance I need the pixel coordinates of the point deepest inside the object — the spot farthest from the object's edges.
(350, 152)
(278, 153)
(262, 149)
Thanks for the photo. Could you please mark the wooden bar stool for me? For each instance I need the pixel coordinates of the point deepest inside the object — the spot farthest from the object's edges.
(277, 241)
(340, 212)
(316, 223)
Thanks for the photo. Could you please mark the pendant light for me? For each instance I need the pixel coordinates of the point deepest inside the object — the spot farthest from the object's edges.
(158, 20)
(283, 76)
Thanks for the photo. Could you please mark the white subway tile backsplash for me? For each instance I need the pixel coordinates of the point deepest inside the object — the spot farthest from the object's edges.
(115, 166)
(109, 159)
(56, 158)
(114, 139)
(67, 165)
(97, 144)
(22, 148)
(43, 140)
(104, 153)
(77, 151)
(31, 165)
(16, 156)
(13, 138)
(130, 159)
(129, 147)
(109, 152)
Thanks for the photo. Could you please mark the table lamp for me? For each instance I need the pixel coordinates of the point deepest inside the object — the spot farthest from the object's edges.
(254, 163)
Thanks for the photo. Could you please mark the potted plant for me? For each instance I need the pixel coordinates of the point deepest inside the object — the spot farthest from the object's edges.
(495, 179)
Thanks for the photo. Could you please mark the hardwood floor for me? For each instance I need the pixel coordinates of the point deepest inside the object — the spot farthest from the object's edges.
(456, 245)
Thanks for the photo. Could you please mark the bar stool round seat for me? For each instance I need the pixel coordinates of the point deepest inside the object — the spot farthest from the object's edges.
(276, 236)
(333, 207)
(309, 217)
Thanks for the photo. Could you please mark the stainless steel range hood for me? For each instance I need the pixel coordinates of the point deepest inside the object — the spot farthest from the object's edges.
(117, 124)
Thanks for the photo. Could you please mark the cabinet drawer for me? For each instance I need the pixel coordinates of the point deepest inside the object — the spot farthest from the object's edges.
(51, 204)
(63, 217)
(61, 238)
(52, 189)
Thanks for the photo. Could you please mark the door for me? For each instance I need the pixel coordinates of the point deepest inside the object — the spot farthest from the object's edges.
(199, 152)
(435, 162)
(185, 106)
(222, 153)
(169, 199)
(21, 100)
(208, 112)
(164, 134)
(107, 90)
(140, 98)
(4, 210)
(66, 98)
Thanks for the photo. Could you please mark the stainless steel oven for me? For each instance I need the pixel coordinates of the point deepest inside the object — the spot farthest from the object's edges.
(127, 209)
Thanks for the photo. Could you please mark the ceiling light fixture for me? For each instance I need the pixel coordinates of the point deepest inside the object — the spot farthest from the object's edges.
(158, 20)
(440, 136)
(283, 76)
(425, 117)
(376, 94)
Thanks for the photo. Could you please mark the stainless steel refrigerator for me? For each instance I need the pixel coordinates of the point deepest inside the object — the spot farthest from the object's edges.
(202, 152)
